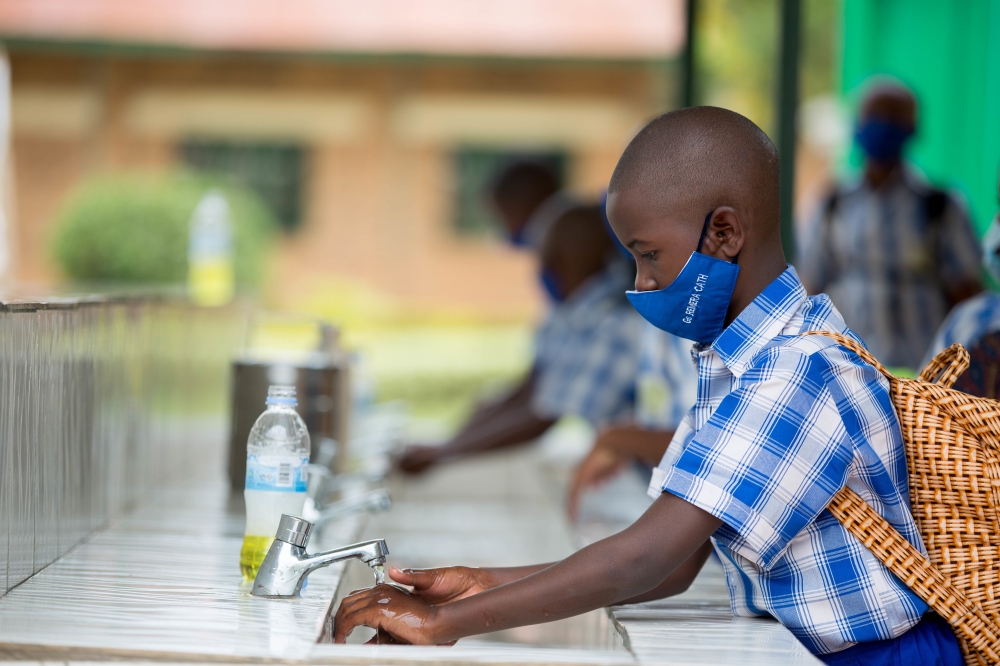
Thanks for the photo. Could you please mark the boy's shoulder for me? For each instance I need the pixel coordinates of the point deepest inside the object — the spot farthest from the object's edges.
(803, 345)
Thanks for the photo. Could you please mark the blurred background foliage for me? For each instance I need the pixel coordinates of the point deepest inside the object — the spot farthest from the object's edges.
(132, 228)
(736, 54)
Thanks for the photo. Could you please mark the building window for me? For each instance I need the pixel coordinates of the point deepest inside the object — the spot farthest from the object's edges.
(275, 171)
(474, 170)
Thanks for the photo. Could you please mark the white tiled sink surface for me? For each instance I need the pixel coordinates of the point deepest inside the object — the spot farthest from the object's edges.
(163, 583)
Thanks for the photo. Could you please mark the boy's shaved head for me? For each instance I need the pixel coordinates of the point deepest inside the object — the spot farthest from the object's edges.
(699, 179)
(699, 158)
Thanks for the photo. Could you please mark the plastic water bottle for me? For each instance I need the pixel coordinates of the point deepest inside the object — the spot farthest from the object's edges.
(277, 459)
(211, 280)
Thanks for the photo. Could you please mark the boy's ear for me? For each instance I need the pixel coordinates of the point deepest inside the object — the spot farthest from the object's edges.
(726, 234)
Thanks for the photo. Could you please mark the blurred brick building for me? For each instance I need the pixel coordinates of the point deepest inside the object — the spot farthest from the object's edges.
(368, 126)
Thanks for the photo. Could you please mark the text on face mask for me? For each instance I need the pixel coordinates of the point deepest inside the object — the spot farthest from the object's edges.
(699, 286)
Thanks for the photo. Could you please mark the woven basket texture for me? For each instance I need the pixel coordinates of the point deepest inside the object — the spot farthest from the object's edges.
(952, 442)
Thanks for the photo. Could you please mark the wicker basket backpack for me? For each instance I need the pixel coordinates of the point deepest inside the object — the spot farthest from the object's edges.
(952, 442)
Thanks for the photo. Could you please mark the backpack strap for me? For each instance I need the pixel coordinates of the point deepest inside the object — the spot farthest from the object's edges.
(854, 346)
(978, 633)
(935, 203)
(968, 620)
(945, 368)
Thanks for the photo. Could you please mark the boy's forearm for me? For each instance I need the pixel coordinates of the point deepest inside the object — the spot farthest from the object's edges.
(509, 428)
(506, 575)
(677, 582)
(616, 569)
(633, 441)
(508, 422)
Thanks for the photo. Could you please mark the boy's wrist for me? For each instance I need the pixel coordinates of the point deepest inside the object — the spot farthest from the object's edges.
(442, 631)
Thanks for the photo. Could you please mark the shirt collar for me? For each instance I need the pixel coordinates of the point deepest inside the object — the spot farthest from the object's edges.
(763, 320)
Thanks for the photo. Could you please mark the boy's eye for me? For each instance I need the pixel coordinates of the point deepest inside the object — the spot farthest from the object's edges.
(649, 256)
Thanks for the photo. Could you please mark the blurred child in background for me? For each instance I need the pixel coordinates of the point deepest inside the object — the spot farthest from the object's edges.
(586, 351)
(666, 386)
(975, 324)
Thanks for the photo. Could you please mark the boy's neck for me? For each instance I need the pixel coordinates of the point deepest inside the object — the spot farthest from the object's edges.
(754, 278)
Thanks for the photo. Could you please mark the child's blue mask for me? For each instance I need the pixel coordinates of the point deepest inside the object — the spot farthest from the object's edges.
(694, 305)
(552, 286)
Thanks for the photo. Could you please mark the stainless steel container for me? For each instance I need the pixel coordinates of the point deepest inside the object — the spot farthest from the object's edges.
(322, 385)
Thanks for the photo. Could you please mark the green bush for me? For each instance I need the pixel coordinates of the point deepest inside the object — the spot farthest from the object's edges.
(128, 228)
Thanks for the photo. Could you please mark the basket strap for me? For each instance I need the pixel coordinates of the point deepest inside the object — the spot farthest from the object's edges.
(979, 416)
(854, 346)
(968, 620)
(945, 368)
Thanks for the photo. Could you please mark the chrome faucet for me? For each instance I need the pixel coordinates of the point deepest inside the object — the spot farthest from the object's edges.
(286, 564)
(374, 501)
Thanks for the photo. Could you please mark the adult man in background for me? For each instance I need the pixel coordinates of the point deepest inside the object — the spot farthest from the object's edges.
(894, 253)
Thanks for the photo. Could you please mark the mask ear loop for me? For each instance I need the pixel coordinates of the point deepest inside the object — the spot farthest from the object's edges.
(704, 233)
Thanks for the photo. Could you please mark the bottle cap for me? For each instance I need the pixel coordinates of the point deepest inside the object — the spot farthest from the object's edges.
(293, 530)
(281, 395)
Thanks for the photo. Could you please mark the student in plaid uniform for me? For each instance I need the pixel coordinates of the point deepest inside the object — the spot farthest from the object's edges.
(980, 315)
(781, 423)
(665, 388)
(586, 351)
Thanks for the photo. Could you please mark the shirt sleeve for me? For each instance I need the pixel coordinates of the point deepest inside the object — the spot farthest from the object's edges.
(770, 458)
(591, 373)
(958, 251)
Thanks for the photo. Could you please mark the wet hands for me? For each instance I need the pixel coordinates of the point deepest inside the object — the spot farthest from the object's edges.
(402, 617)
(396, 615)
(447, 584)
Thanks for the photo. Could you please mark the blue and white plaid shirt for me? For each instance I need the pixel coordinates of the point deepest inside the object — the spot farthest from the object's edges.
(781, 423)
(667, 382)
(587, 352)
(968, 321)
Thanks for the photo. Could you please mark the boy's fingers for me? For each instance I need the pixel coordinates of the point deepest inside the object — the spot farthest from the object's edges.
(348, 619)
(573, 501)
(403, 576)
(354, 601)
(419, 579)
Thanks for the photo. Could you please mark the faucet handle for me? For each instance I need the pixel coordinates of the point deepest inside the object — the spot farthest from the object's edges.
(293, 530)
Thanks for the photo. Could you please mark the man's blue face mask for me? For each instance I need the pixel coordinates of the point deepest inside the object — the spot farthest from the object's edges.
(882, 140)
(694, 305)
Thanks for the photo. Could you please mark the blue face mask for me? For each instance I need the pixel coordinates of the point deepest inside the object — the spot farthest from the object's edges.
(882, 140)
(519, 238)
(552, 286)
(694, 305)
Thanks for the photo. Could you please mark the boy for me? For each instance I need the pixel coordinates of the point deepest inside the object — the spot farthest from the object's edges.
(666, 385)
(781, 423)
(586, 352)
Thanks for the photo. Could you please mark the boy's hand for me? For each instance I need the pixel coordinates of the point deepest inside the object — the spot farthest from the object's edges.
(600, 465)
(404, 617)
(442, 586)
(417, 458)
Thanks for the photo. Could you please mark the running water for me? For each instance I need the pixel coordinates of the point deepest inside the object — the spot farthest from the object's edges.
(379, 574)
